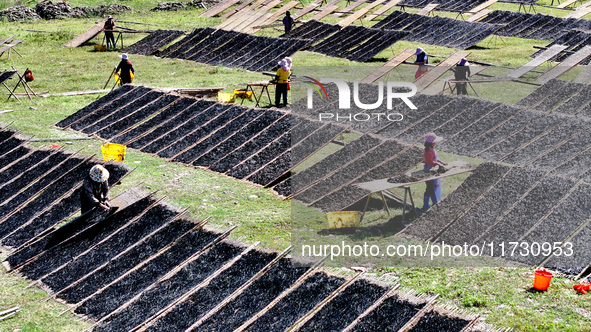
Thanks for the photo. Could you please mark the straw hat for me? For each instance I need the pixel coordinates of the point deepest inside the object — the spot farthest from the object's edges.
(124, 56)
(419, 50)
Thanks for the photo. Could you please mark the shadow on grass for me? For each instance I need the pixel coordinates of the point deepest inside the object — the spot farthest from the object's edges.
(390, 228)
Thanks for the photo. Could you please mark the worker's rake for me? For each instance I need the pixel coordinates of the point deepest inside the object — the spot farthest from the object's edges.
(109, 79)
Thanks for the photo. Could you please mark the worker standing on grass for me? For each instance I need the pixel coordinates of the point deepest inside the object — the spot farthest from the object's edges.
(462, 73)
(288, 22)
(282, 78)
(422, 60)
(125, 69)
(433, 190)
(95, 190)
(109, 27)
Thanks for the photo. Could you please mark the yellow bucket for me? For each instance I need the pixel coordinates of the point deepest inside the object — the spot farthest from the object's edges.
(118, 79)
(100, 48)
(226, 97)
(113, 151)
(243, 94)
(342, 219)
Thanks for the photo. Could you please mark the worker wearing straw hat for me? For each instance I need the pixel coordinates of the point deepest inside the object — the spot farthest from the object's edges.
(126, 69)
(462, 73)
(422, 60)
(108, 28)
(95, 190)
(433, 190)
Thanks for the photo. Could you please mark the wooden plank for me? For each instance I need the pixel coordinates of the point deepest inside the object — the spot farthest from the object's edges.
(79, 93)
(360, 13)
(258, 4)
(251, 20)
(579, 12)
(483, 6)
(478, 15)
(86, 36)
(271, 5)
(388, 66)
(3, 41)
(566, 3)
(220, 7)
(11, 45)
(584, 75)
(438, 86)
(389, 5)
(237, 9)
(456, 167)
(435, 73)
(428, 9)
(326, 10)
(305, 10)
(349, 8)
(566, 65)
(540, 59)
(236, 20)
(280, 12)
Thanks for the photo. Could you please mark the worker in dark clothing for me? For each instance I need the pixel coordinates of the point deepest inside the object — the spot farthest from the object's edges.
(288, 22)
(95, 190)
(282, 79)
(422, 60)
(109, 27)
(125, 70)
(462, 73)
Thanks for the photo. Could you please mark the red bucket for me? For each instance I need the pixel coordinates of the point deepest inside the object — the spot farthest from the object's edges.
(542, 279)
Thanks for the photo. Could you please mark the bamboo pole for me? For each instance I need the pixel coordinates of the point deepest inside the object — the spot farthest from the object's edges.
(87, 275)
(179, 267)
(163, 312)
(371, 308)
(304, 319)
(131, 221)
(239, 291)
(296, 284)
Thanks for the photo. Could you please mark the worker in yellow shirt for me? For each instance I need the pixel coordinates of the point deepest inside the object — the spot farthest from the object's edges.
(282, 78)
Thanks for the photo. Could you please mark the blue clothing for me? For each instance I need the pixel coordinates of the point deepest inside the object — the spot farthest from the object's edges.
(423, 57)
(433, 193)
(433, 190)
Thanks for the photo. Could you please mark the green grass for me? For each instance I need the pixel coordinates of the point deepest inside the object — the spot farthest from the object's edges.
(37, 315)
(500, 294)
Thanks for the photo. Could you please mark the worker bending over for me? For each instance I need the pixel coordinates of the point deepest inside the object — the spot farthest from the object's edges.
(433, 190)
(95, 190)
(462, 73)
(125, 68)
(282, 78)
(109, 27)
(422, 60)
